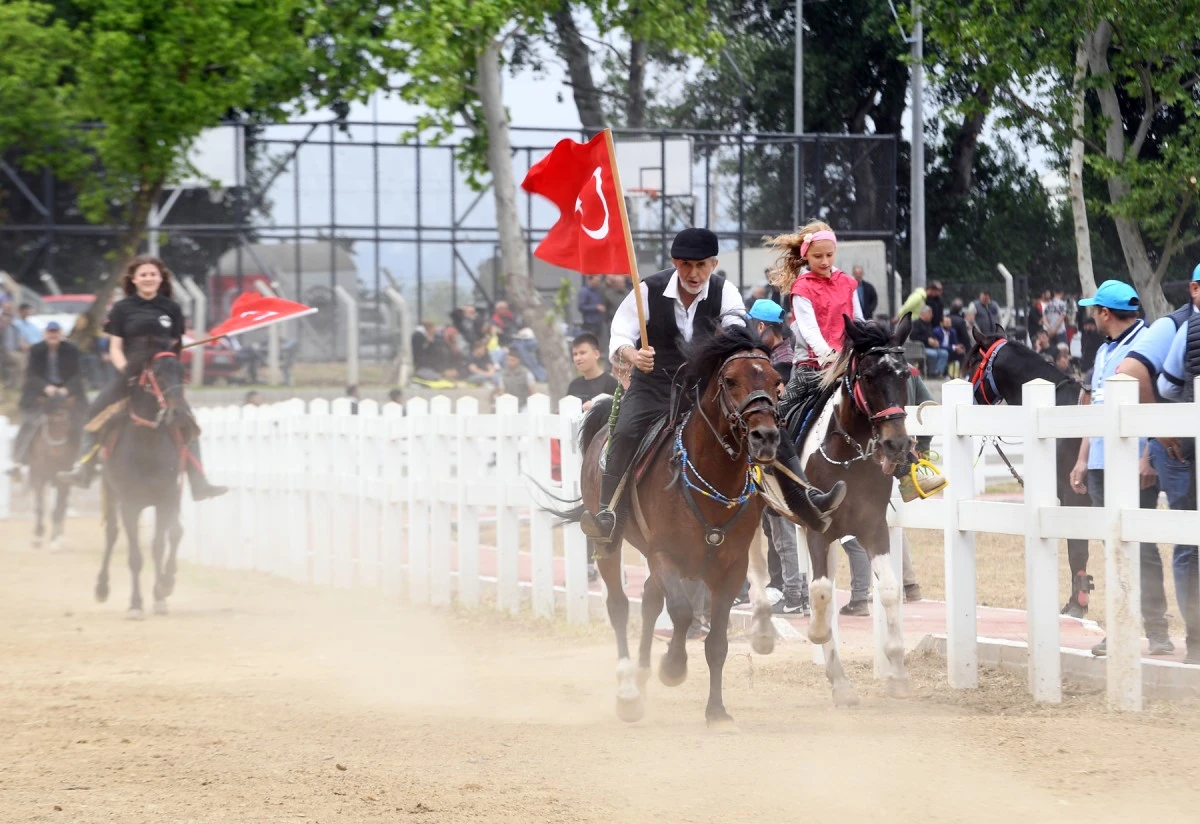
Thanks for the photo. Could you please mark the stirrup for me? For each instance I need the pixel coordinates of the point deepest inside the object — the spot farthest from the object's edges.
(922, 470)
(600, 526)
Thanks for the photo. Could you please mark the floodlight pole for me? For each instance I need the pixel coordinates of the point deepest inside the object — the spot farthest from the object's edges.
(199, 323)
(798, 103)
(155, 219)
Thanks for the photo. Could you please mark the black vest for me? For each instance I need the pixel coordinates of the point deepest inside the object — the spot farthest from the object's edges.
(664, 332)
(1191, 358)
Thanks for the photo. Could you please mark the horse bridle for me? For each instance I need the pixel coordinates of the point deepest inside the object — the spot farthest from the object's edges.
(852, 382)
(757, 401)
(147, 379)
(982, 378)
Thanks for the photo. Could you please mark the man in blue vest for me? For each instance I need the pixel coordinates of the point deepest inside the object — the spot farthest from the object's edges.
(1176, 382)
(686, 303)
(1115, 308)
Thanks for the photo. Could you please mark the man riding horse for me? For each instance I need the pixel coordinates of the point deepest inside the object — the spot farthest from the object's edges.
(146, 313)
(683, 304)
(53, 372)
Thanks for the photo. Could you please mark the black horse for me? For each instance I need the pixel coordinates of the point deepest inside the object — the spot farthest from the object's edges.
(146, 455)
(999, 368)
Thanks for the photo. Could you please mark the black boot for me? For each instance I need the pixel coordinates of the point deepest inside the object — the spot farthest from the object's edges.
(84, 471)
(814, 507)
(202, 490)
(601, 525)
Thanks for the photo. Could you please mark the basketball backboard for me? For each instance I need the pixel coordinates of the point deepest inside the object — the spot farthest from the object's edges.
(664, 166)
(216, 155)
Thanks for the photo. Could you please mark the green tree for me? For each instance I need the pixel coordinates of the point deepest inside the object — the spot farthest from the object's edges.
(1138, 67)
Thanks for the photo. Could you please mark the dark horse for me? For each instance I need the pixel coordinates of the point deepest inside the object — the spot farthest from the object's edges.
(858, 436)
(51, 451)
(142, 469)
(695, 512)
(999, 368)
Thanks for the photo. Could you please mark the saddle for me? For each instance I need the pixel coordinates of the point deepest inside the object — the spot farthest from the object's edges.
(799, 417)
(107, 414)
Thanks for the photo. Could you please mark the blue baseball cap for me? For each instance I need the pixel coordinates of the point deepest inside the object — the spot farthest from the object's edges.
(1114, 294)
(53, 326)
(767, 311)
(1196, 272)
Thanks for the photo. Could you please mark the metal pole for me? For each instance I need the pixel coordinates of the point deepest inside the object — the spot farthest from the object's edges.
(917, 185)
(404, 325)
(351, 333)
(798, 103)
(274, 375)
(199, 323)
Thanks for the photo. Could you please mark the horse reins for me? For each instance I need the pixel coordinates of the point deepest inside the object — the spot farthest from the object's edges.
(147, 379)
(852, 383)
(757, 401)
(982, 377)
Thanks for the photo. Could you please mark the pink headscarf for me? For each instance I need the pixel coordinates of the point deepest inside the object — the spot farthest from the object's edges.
(809, 240)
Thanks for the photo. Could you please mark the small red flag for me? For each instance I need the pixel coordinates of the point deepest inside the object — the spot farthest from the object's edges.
(254, 311)
(589, 236)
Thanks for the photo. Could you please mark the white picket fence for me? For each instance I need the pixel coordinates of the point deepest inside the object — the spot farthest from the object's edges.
(395, 499)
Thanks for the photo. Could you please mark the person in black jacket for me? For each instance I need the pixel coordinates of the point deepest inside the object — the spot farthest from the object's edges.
(53, 371)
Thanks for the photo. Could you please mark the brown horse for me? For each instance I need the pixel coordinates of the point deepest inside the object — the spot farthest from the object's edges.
(51, 451)
(693, 514)
(857, 432)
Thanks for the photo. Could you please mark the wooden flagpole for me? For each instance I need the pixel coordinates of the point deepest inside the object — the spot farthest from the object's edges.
(633, 271)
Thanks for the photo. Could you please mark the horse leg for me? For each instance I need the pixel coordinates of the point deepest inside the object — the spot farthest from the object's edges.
(39, 511)
(716, 648)
(129, 517)
(762, 631)
(672, 669)
(844, 694)
(652, 606)
(820, 590)
(630, 706)
(157, 549)
(62, 494)
(879, 550)
(174, 536)
(111, 527)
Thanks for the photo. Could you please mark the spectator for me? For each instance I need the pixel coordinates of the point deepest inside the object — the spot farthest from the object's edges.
(948, 342)
(423, 338)
(396, 396)
(1116, 313)
(505, 321)
(1054, 318)
(592, 309)
(593, 380)
(767, 318)
(959, 322)
(936, 358)
(454, 359)
(252, 398)
(524, 343)
(469, 323)
(27, 332)
(757, 293)
(352, 394)
(933, 299)
(515, 379)
(614, 288)
(10, 372)
(1090, 341)
(1041, 345)
(987, 313)
(868, 297)
(481, 369)
(1062, 359)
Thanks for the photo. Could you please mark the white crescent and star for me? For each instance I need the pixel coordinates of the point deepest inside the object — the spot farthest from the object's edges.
(602, 232)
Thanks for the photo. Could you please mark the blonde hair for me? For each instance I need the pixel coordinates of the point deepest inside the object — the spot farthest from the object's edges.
(790, 265)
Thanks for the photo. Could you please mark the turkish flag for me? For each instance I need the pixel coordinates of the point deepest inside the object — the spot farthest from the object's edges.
(589, 236)
(254, 311)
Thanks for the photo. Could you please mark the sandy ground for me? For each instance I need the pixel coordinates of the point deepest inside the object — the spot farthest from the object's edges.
(258, 700)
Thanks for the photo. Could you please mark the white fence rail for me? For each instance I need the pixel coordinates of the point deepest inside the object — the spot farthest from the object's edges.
(397, 499)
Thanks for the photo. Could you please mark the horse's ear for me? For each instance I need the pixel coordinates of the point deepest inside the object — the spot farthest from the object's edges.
(852, 332)
(980, 339)
(903, 328)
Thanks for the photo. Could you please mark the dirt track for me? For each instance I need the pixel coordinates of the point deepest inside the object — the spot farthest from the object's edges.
(248, 700)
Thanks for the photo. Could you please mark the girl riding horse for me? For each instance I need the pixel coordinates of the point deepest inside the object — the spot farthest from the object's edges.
(146, 311)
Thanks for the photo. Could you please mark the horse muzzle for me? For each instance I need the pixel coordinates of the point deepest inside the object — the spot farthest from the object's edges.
(762, 443)
(892, 451)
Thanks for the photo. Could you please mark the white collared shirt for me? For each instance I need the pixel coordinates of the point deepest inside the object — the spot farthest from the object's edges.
(625, 330)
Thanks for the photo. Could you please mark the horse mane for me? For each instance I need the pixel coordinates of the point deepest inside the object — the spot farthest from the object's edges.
(1047, 367)
(868, 334)
(141, 349)
(704, 357)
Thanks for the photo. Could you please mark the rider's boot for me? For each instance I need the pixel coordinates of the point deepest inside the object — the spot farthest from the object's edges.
(202, 490)
(84, 471)
(814, 507)
(601, 525)
(922, 486)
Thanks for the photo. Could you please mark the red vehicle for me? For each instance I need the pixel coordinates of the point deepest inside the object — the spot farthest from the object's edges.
(221, 361)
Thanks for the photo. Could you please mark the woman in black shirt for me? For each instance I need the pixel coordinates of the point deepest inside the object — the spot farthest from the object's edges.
(146, 311)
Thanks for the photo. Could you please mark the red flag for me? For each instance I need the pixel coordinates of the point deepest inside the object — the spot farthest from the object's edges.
(254, 311)
(589, 236)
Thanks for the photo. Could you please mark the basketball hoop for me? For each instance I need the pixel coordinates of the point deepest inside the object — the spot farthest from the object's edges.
(647, 192)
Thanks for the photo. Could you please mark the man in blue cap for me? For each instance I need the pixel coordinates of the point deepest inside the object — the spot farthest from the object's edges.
(1115, 307)
(53, 371)
(1177, 382)
(767, 319)
(686, 303)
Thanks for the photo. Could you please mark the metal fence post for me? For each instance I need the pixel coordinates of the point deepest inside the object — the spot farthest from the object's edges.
(199, 323)
(351, 333)
(274, 376)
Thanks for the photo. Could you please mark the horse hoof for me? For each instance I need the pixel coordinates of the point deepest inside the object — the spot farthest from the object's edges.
(643, 678)
(134, 614)
(670, 674)
(845, 696)
(763, 643)
(630, 710)
(899, 688)
(160, 607)
(101, 593)
(722, 723)
(823, 638)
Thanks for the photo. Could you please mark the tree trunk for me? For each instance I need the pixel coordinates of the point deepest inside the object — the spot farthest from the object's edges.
(513, 256)
(962, 166)
(127, 246)
(1083, 237)
(635, 117)
(1137, 261)
(574, 52)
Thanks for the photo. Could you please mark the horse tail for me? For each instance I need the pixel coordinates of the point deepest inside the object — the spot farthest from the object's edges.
(593, 419)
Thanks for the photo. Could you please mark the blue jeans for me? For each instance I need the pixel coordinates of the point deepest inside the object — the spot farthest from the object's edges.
(1177, 479)
(936, 360)
(1154, 595)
